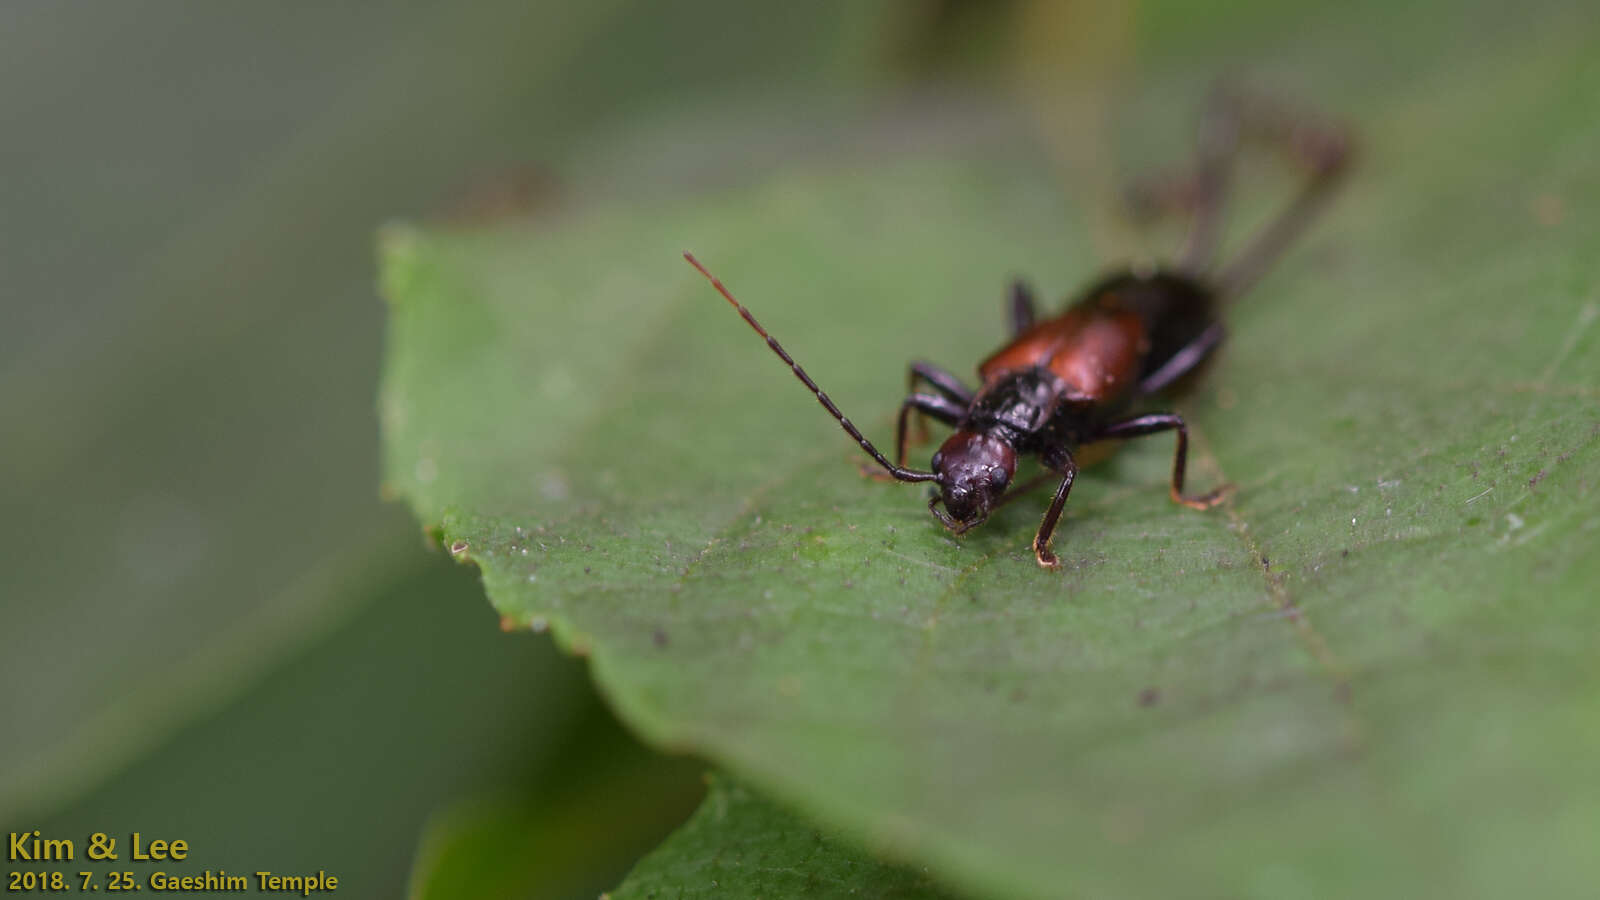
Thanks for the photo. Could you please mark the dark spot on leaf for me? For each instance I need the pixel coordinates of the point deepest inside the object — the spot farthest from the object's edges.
(659, 637)
(1149, 696)
(1534, 481)
(1344, 553)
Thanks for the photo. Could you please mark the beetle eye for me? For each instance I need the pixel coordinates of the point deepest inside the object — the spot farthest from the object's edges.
(938, 458)
(997, 477)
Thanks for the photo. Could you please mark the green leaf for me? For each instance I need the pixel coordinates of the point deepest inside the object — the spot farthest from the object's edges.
(600, 804)
(354, 728)
(187, 468)
(1371, 673)
(739, 845)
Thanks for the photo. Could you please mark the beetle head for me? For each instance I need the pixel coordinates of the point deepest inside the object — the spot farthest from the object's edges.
(974, 470)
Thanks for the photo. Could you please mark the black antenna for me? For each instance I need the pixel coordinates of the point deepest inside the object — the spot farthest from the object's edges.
(899, 473)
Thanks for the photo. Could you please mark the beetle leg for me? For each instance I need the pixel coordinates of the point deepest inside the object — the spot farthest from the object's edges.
(942, 408)
(942, 381)
(1184, 360)
(1022, 308)
(1231, 117)
(1321, 148)
(1068, 467)
(1166, 193)
(1218, 142)
(1155, 423)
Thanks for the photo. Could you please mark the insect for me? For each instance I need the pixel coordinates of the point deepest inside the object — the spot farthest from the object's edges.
(1067, 382)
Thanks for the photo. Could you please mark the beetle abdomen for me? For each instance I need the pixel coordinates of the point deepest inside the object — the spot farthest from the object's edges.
(1175, 309)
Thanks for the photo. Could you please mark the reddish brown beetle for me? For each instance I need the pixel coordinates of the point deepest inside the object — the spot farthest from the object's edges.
(1066, 382)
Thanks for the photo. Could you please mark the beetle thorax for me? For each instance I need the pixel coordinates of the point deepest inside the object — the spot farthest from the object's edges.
(1021, 402)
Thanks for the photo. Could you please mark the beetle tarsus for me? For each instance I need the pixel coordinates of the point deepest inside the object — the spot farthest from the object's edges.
(1046, 558)
(1204, 501)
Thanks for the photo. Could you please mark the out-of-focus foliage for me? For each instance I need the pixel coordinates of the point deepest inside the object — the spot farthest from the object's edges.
(602, 804)
(213, 627)
(739, 845)
(188, 362)
(1366, 675)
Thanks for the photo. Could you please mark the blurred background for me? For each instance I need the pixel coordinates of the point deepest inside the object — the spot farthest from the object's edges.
(211, 625)
(213, 628)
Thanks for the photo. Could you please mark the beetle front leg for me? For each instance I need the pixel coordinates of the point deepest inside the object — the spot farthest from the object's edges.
(1156, 423)
(942, 408)
(946, 383)
(1068, 467)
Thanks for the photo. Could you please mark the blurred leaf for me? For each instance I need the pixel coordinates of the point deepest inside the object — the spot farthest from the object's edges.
(335, 758)
(190, 338)
(604, 802)
(1371, 674)
(739, 845)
